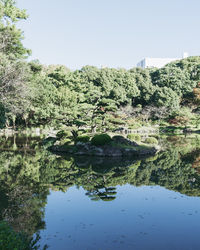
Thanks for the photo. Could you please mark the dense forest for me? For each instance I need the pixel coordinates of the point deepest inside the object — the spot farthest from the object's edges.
(32, 94)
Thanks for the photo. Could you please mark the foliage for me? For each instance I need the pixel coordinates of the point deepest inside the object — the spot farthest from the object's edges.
(91, 99)
(14, 91)
(144, 84)
(82, 138)
(151, 140)
(180, 76)
(183, 117)
(63, 134)
(196, 93)
(10, 240)
(13, 88)
(26, 176)
(166, 97)
(134, 137)
(2, 116)
(101, 139)
(48, 142)
(10, 36)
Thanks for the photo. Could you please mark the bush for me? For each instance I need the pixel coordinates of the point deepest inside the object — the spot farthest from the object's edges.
(63, 133)
(110, 127)
(82, 138)
(120, 140)
(117, 121)
(134, 137)
(65, 141)
(101, 139)
(152, 158)
(135, 126)
(10, 240)
(48, 142)
(151, 140)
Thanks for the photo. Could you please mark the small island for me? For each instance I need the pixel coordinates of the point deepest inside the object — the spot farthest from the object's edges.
(102, 145)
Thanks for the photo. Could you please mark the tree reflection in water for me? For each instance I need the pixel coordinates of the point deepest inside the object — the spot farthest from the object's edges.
(28, 172)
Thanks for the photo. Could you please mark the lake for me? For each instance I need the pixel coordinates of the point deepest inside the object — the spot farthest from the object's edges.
(103, 203)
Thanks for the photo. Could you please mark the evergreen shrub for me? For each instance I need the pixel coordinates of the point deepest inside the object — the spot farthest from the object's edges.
(101, 139)
(151, 140)
(134, 137)
(83, 138)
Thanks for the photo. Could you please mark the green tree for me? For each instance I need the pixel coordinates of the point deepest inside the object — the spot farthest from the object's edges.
(166, 97)
(10, 36)
(13, 91)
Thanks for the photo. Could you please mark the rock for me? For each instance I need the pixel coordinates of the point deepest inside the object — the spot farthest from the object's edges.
(109, 150)
(112, 151)
(81, 153)
(97, 151)
(129, 151)
(122, 140)
(187, 130)
(79, 143)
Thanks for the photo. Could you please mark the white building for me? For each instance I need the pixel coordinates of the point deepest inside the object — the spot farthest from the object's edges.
(157, 62)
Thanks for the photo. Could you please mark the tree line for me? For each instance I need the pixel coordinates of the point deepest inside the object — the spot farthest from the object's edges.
(32, 94)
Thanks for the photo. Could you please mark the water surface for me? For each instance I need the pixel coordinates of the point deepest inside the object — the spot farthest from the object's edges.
(95, 203)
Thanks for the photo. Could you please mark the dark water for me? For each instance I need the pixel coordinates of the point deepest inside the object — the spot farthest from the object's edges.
(95, 203)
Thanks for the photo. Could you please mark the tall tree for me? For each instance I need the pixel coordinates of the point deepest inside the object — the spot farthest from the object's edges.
(13, 70)
(10, 36)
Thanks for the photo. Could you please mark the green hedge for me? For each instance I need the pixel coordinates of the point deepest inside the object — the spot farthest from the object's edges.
(83, 138)
(101, 139)
(151, 140)
(134, 137)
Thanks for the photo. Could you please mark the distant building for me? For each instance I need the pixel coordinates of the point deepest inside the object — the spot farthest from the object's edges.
(158, 62)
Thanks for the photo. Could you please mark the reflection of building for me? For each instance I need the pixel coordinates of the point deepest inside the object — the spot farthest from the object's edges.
(157, 62)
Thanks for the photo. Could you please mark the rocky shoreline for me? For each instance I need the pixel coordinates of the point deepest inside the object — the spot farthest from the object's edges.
(120, 148)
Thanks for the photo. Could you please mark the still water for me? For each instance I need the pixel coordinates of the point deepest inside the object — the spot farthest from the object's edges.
(95, 203)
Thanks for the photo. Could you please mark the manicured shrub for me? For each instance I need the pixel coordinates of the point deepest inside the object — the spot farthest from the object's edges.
(101, 139)
(118, 139)
(151, 140)
(134, 137)
(82, 138)
(63, 134)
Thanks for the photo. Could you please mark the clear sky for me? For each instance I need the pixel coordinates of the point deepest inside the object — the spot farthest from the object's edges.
(112, 33)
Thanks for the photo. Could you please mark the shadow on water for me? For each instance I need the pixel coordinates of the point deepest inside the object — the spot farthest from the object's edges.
(28, 172)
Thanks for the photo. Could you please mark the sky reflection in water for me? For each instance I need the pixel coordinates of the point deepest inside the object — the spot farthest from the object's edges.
(103, 204)
(139, 218)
